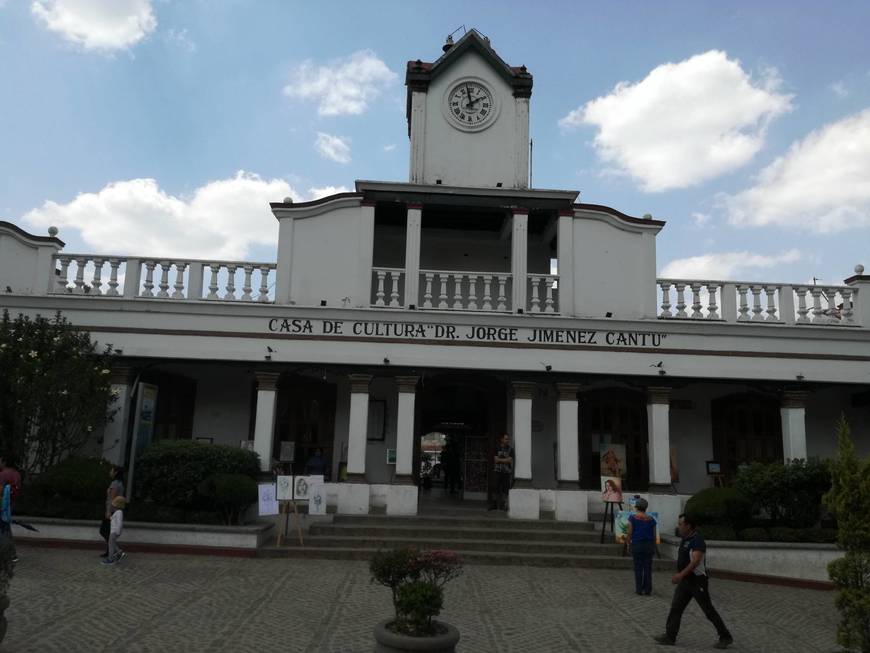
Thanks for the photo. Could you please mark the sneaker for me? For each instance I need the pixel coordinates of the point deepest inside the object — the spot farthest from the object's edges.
(107, 562)
(665, 640)
(121, 556)
(15, 559)
(724, 642)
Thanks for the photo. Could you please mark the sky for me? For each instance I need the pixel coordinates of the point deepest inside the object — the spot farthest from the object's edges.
(164, 127)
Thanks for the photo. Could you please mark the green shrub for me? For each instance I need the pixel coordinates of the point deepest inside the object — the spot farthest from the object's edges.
(77, 479)
(719, 506)
(789, 494)
(851, 575)
(416, 603)
(148, 511)
(819, 535)
(754, 535)
(170, 472)
(714, 532)
(231, 494)
(785, 534)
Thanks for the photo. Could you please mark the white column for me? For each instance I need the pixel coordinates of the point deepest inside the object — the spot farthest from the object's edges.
(521, 129)
(659, 444)
(567, 429)
(115, 432)
(264, 418)
(407, 387)
(523, 434)
(565, 255)
(412, 254)
(358, 427)
(418, 131)
(519, 257)
(794, 428)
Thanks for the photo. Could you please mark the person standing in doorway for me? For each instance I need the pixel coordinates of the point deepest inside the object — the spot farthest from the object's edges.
(115, 489)
(503, 466)
(692, 583)
(317, 464)
(641, 538)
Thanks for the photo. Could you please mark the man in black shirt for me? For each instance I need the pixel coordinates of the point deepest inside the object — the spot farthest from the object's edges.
(691, 582)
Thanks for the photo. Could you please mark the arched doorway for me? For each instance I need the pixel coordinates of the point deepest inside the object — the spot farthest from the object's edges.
(305, 417)
(466, 412)
(747, 428)
(614, 416)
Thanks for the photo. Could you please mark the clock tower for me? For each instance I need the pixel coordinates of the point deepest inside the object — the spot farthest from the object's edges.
(468, 117)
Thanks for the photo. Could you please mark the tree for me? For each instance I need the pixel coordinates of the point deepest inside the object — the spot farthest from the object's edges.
(849, 501)
(55, 390)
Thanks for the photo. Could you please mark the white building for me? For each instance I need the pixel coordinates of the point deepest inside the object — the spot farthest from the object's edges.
(465, 302)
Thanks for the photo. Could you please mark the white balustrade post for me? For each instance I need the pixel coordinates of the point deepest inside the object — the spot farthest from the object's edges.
(213, 283)
(549, 282)
(264, 418)
(442, 296)
(756, 304)
(165, 267)
(744, 307)
(659, 443)
(847, 314)
(794, 430)
(413, 235)
(178, 292)
(802, 310)
(502, 299)
(771, 303)
(247, 287)
(379, 293)
(114, 264)
(263, 297)
(696, 301)
(712, 308)
(457, 291)
(394, 290)
(666, 300)
(97, 281)
(519, 257)
(472, 292)
(358, 427)
(148, 286)
(427, 295)
(833, 307)
(681, 300)
(567, 425)
(80, 276)
(535, 302)
(231, 283)
(194, 281)
(63, 277)
(132, 277)
(818, 315)
(487, 292)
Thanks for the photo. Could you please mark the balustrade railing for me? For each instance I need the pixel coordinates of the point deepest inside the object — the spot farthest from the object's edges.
(543, 293)
(152, 278)
(388, 287)
(756, 302)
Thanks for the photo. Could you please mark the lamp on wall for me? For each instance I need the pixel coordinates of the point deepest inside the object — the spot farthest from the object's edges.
(323, 302)
(386, 361)
(608, 314)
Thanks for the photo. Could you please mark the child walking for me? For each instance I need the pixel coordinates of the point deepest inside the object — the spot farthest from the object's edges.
(116, 527)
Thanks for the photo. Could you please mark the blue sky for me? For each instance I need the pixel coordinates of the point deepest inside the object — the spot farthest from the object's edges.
(163, 127)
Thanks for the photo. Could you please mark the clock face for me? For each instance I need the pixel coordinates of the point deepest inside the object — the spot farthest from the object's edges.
(470, 105)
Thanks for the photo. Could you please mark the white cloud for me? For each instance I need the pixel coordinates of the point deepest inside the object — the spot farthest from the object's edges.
(726, 265)
(220, 220)
(332, 147)
(821, 184)
(840, 89)
(324, 191)
(685, 123)
(97, 24)
(181, 38)
(390, 147)
(345, 86)
(701, 219)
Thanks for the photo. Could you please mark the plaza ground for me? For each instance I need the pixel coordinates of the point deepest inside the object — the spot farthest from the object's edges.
(64, 600)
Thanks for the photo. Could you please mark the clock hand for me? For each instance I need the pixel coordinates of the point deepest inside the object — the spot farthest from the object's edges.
(467, 97)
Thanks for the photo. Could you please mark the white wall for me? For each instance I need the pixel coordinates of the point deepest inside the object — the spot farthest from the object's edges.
(614, 270)
(460, 158)
(25, 265)
(342, 238)
(823, 410)
(692, 435)
(223, 403)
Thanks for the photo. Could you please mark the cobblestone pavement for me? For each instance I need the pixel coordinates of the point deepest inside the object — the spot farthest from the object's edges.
(64, 600)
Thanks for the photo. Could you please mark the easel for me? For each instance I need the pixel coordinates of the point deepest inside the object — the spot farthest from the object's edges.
(609, 510)
(284, 509)
(718, 480)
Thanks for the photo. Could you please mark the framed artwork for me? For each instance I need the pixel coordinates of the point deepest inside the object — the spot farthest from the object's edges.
(268, 504)
(317, 499)
(284, 488)
(612, 460)
(288, 451)
(302, 486)
(611, 489)
(714, 467)
(377, 428)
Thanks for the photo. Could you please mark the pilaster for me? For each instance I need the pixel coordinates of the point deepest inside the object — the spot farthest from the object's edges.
(519, 258)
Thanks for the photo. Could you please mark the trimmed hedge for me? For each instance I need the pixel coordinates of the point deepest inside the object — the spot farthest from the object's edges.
(719, 506)
(231, 494)
(77, 478)
(171, 472)
(713, 532)
(788, 494)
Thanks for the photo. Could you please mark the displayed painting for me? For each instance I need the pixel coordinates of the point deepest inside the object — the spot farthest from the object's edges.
(284, 488)
(288, 451)
(611, 489)
(302, 486)
(613, 460)
(268, 503)
(317, 499)
(620, 525)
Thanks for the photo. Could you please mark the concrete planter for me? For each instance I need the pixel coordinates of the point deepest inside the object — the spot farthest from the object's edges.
(386, 641)
(797, 561)
(240, 540)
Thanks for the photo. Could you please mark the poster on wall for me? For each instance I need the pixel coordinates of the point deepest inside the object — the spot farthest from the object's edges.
(611, 489)
(146, 413)
(284, 488)
(288, 451)
(613, 460)
(620, 525)
(268, 503)
(317, 499)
